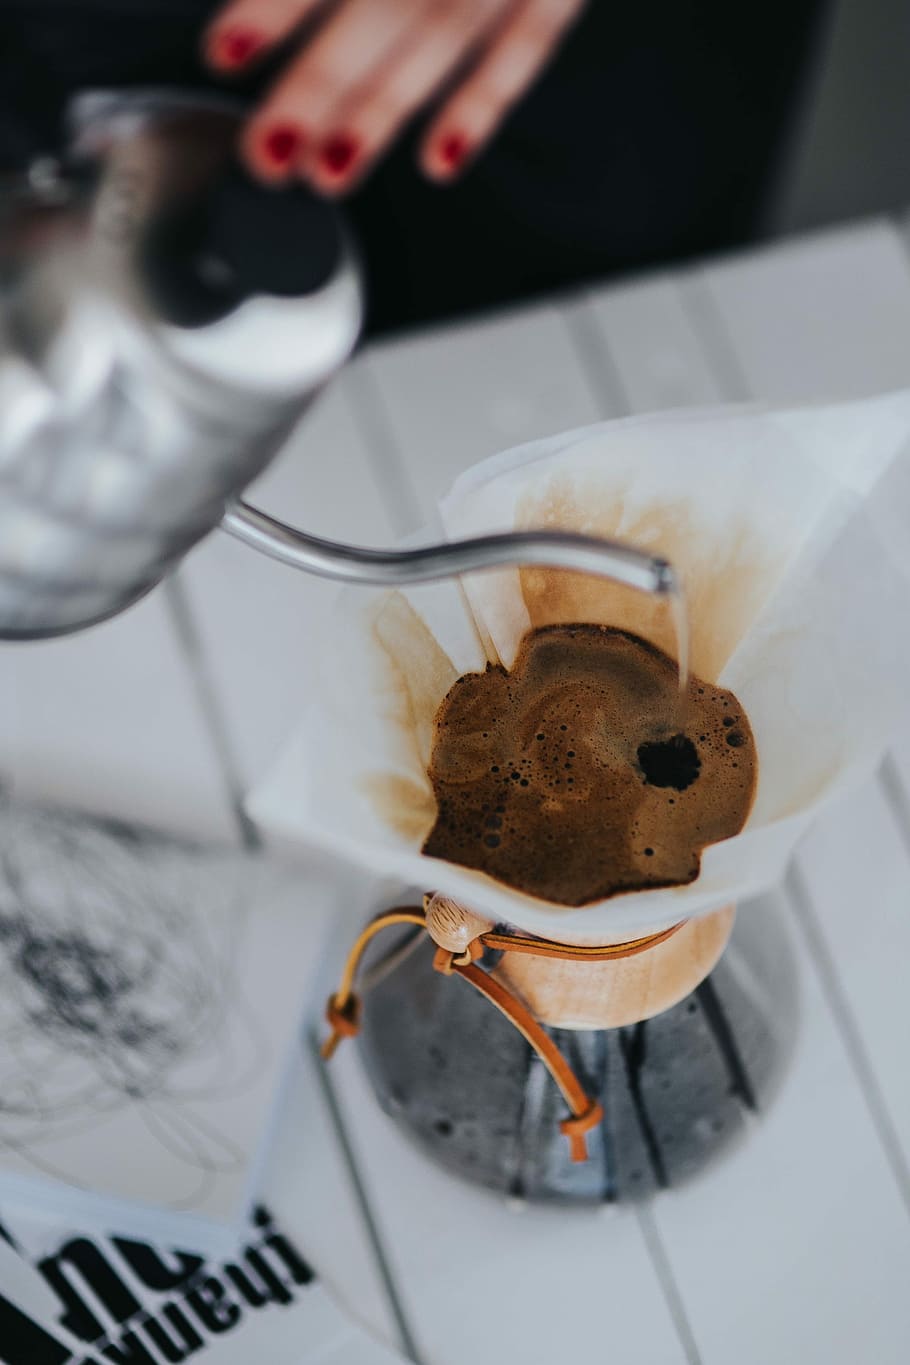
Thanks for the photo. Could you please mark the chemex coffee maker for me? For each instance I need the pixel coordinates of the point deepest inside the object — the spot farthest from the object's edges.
(164, 321)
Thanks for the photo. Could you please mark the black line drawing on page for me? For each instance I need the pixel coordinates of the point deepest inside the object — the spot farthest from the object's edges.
(118, 989)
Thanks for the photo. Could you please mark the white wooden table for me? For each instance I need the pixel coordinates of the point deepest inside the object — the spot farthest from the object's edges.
(797, 1247)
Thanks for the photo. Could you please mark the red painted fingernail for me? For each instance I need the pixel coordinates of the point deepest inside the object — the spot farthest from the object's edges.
(282, 144)
(453, 150)
(339, 152)
(236, 46)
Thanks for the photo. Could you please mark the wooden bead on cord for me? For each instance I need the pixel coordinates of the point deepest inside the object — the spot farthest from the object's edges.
(452, 926)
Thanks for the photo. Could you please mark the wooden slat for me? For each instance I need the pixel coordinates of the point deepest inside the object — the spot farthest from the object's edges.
(855, 867)
(900, 757)
(309, 1186)
(648, 335)
(258, 620)
(797, 1247)
(256, 623)
(107, 720)
(452, 397)
(827, 315)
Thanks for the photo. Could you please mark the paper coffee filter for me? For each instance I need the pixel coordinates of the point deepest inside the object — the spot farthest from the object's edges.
(790, 557)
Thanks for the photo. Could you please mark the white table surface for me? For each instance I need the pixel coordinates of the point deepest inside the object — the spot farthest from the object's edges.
(796, 1248)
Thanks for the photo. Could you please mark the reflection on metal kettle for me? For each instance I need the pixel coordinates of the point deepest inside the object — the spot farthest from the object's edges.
(164, 321)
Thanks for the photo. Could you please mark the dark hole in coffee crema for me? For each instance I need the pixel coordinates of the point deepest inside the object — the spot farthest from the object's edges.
(672, 762)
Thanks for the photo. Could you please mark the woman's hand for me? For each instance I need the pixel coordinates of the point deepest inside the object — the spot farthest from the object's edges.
(364, 67)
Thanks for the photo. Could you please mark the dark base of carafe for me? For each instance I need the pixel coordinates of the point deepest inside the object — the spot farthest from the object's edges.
(677, 1090)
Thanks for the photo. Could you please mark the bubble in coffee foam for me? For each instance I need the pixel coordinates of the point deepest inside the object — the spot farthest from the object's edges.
(581, 772)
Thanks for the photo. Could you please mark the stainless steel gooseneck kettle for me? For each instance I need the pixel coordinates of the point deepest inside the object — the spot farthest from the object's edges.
(164, 321)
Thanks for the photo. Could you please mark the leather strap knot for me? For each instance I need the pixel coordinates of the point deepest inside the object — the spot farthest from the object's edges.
(577, 1126)
(344, 1021)
(443, 962)
(447, 962)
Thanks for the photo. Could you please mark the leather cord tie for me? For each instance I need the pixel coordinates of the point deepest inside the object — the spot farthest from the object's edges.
(344, 1008)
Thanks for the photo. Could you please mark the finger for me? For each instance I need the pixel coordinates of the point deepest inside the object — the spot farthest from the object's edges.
(516, 56)
(246, 29)
(364, 127)
(340, 59)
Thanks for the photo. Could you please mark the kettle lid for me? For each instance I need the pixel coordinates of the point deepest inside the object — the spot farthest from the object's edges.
(247, 285)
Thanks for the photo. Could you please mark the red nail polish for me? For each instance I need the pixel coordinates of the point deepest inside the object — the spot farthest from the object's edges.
(339, 152)
(236, 46)
(282, 144)
(453, 150)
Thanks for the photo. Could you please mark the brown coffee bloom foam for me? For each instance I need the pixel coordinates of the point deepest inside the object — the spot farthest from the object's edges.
(581, 772)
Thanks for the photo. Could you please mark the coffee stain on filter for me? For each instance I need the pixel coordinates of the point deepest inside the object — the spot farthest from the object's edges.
(414, 674)
(726, 577)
